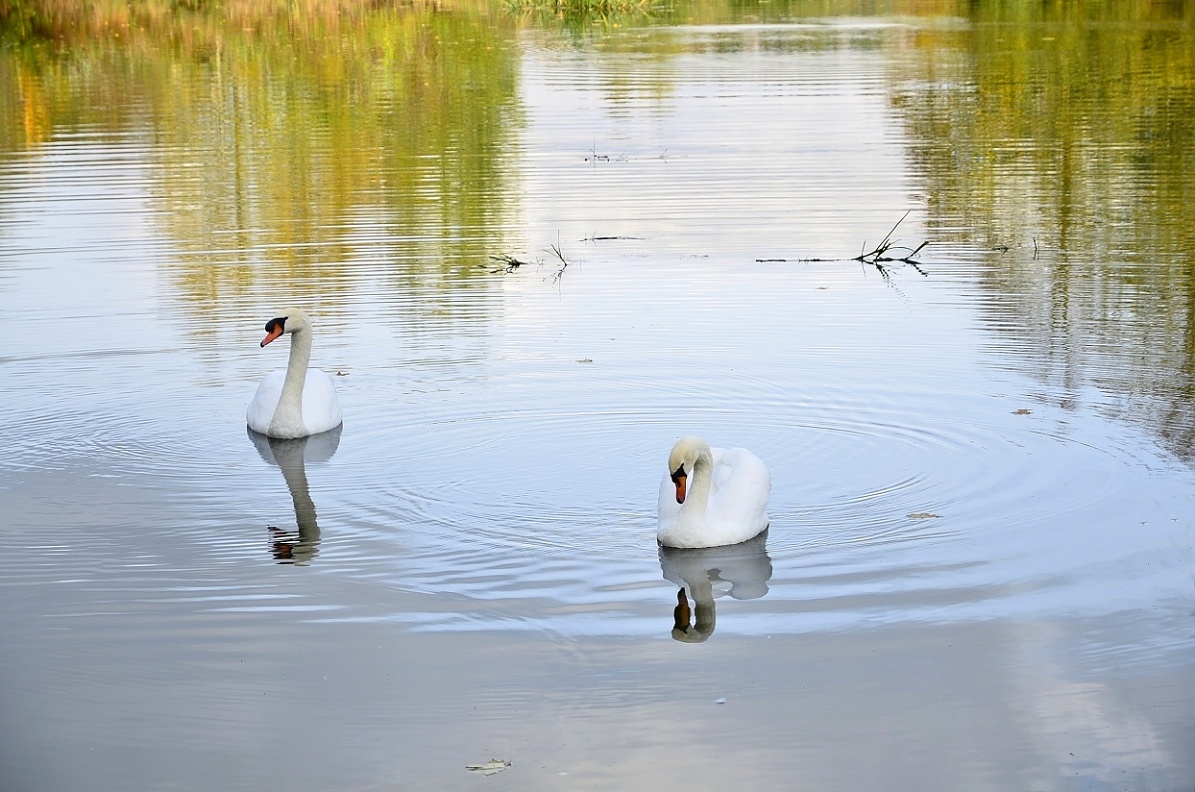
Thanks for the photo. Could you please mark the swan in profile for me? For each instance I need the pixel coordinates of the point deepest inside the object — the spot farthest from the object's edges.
(712, 497)
(299, 401)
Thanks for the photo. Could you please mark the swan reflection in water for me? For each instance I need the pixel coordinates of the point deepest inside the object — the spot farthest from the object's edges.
(292, 457)
(741, 571)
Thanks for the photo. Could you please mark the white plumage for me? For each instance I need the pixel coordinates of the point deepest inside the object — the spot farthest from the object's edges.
(712, 497)
(298, 401)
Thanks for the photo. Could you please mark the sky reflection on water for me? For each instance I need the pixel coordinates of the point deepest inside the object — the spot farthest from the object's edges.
(976, 575)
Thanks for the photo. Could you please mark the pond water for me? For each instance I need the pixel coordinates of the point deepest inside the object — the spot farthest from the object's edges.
(536, 254)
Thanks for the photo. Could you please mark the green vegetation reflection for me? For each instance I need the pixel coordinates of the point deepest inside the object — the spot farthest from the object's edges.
(286, 146)
(1060, 137)
(312, 136)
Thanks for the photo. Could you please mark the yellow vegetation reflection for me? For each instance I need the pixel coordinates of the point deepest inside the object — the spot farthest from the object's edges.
(317, 148)
(1060, 139)
(287, 146)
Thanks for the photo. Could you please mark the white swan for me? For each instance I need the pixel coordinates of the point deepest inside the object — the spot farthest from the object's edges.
(298, 401)
(711, 497)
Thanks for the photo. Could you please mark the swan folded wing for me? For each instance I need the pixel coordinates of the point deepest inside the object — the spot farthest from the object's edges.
(265, 401)
(741, 486)
(321, 408)
(724, 465)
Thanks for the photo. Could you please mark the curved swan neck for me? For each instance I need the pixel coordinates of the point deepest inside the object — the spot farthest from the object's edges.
(300, 357)
(701, 479)
(290, 402)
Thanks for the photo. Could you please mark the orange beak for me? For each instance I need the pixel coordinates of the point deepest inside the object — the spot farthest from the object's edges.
(680, 480)
(277, 331)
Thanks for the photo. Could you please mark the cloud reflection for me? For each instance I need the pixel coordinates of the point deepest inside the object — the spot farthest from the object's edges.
(292, 457)
(741, 571)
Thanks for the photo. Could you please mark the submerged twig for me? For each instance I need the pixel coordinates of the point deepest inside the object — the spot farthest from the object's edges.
(559, 254)
(615, 237)
(509, 263)
(594, 156)
(879, 255)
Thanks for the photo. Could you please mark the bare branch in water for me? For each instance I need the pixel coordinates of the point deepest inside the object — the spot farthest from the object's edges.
(559, 254)
(885, 252)
(508, 263)
(881, 254)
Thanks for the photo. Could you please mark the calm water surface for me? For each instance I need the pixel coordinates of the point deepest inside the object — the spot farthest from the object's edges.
(980, 568)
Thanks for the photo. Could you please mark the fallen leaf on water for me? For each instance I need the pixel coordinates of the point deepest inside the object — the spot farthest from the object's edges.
(923, 516)
(585, 360)
(490, 767)
(1022, 411)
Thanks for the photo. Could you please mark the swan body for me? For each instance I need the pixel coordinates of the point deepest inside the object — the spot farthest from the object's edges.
(712, 497)
(299, 401)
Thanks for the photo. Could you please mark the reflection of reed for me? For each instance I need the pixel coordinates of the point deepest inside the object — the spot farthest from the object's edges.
(745, 567)
(292, 456)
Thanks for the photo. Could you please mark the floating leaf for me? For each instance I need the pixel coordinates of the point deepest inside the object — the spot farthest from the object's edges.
(923, 516)
(490, 767)
(1022, 411)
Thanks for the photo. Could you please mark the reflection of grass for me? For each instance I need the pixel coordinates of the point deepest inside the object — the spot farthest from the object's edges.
(610, 12)
(72, 20)
(585, 7)
(286, 148)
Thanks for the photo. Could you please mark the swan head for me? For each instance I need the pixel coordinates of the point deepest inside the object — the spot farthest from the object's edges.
(291, 320)
(682, 460)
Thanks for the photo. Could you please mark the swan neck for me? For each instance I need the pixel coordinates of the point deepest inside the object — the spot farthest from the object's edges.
(701, 480)
(291, 399)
